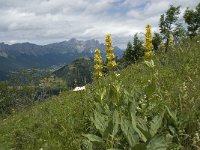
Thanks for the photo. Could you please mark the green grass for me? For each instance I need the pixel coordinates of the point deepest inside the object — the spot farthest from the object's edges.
(59, 122)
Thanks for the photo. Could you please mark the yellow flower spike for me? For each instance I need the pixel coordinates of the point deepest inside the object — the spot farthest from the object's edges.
(97, 51)
(162, 45)
(148, 38)
(148, 54)
(111, 64)
(98, 64)
(148, 42)
(171, 44)
(110, 56)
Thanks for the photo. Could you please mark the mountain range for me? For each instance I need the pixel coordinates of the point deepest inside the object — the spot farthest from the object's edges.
(27, 55)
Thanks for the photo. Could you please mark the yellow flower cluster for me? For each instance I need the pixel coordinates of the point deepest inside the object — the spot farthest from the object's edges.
(148, 38)
(148, 42)
(162, 45)
(111, 64)
(148, 54)
(171, 44)
(98, 64)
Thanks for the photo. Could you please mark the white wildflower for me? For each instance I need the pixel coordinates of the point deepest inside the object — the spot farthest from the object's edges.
(117, 74)
(79, 88)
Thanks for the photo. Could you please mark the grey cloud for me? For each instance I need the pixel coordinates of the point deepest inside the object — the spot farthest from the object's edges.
(45, 21)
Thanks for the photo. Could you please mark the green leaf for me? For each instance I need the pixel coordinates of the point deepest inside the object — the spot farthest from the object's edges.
(150, 89)
(155, 124)
(87, 144)
(107, 110)
(93, 138)
(172, 116)
(142, 126)
(172, 130)
(109, 129)
(141, 146)
(116, 121)
(100, 121)
(98, 107)
(103, 93)
(134, 126)
(159, 143)
(129, 132)
(132, 108)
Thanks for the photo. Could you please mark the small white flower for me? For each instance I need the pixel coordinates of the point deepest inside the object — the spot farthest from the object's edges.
(197, 41)
(79, 88)
(117, 74)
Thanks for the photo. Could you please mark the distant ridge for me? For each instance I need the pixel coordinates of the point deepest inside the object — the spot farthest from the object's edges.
(27, 55)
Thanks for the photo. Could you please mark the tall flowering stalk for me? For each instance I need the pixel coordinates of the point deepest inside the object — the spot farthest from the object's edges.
(98, 64)
(162, 45)
(111, 63)
(148, 41)
(171, 44)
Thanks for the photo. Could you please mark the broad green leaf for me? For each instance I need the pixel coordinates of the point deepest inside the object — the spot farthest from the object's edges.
(93, 138)
(155, 124)
(132, 108)
(150, 89)
(100, 121)
(142, 126)
(172, 130)
(116, 121)
(141, 146)
(129, 132)
(98, 107)
(87, 144)
(103, 93)
(107, 110)
(134, 126)
(172, 116)
(159, 143)
(109, 129)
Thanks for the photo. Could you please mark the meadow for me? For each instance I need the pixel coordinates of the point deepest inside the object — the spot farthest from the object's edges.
(152, 104)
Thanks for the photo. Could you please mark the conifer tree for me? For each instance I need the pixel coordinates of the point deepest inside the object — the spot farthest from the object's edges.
(135, 51)
(157, 39)
(128, 52)
(137, 48)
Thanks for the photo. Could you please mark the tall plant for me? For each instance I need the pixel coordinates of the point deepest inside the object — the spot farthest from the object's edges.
(98, 64)
(148, 41)
(171, 43)
(111, 63)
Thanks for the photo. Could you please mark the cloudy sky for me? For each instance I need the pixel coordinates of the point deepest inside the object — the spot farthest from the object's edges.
(47, 21)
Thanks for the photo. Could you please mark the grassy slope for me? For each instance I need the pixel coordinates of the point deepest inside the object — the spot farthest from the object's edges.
(59, 122)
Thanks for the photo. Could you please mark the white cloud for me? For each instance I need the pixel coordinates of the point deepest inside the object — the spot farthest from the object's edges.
(46, 21)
